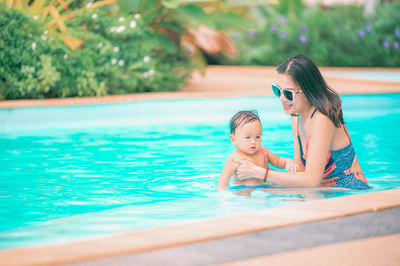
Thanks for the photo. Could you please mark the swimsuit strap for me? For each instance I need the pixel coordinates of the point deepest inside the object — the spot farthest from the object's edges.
(303, 153)
(313, 113)
(347, 132)
(308, 128)
(308, 124)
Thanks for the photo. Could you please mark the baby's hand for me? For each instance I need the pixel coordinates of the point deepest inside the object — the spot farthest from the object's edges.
(291, 166)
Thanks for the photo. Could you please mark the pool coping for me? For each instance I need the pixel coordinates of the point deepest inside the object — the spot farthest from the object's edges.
(240, 249)
(229, 81)
(202, 230)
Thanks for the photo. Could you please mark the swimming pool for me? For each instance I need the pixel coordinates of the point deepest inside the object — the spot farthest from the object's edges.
(75, 172)
(388, 76)
(393, 76)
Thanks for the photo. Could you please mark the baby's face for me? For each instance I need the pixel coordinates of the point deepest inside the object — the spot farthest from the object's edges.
(248, 137)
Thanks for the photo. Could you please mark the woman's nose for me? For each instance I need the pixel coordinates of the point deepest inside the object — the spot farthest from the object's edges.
(282, 98)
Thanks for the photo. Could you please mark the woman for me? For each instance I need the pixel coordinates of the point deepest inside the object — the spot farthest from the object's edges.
(322, 145)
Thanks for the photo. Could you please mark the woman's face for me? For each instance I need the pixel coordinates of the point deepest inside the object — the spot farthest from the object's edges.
(299, 103)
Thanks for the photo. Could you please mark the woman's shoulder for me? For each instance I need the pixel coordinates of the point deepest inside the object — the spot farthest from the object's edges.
(321, 124)
(320, 118)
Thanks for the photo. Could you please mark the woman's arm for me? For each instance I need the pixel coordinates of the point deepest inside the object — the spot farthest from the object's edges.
(227, 172)
(322, 133)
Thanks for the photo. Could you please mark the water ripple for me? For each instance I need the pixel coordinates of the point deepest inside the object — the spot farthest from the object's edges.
(59, 184)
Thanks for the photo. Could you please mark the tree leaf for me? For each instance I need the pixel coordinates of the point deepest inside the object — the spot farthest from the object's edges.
(100, 3)
(128, 6)
(71, 42)
(160, 41)
(149, 10)
(37, 7)
(237, 3)
(173, 4)
(194, 16)
(229, 20)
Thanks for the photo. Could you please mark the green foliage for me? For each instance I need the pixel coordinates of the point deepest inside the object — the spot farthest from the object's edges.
(337, 36)
(194, 16)
(172, 17)
(229, 20)
(118, 55)
(36, 83)
(130, 46)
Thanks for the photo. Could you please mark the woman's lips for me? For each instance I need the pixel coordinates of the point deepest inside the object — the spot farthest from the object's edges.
(286, 106)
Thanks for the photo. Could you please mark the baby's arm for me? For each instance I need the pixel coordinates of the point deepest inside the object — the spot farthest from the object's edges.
(281, 162)
(226, 174)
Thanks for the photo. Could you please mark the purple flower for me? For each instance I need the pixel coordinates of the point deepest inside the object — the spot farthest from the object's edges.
(282, 20)
(368, 28)
(361, 33)
(283, 35)
(386, 44)
(190, 53)
(303, 38)
(252, 33)
(396, 45)
(303, 28)
(273, 28)
(397, 32)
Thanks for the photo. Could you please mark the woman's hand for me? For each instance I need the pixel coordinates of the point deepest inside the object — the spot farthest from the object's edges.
(291, 166)
(248, 170)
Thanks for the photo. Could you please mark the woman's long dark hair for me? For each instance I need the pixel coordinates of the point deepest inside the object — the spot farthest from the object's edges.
(307, 76)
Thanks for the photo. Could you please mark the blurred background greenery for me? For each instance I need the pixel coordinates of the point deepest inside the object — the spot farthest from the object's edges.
(63, 48)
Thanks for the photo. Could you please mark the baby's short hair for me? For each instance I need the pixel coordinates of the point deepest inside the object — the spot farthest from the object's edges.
(241, 118)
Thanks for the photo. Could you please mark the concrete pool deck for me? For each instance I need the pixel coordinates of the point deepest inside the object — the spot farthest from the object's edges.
(142, 247)
(238, 81)
(256, 238)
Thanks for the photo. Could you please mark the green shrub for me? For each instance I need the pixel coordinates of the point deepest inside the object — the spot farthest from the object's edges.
(337, 36)
(118, 55)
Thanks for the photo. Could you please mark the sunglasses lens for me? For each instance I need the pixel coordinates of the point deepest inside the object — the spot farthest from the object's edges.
(288, 94)
(276, 91)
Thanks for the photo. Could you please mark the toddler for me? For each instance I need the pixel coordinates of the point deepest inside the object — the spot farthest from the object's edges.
(246, 136)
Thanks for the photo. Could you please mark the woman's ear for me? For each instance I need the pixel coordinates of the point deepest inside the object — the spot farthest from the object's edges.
(232, 137)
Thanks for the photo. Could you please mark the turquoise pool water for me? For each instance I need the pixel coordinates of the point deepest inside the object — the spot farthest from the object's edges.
(384, 76)
(82, 171)
(369, 75)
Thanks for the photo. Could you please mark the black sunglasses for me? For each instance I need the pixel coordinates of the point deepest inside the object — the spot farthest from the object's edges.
(289, 94)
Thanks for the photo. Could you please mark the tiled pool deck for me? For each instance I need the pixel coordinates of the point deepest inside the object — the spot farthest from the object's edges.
(360, 229)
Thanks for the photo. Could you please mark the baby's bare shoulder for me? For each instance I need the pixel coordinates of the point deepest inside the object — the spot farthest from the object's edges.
(236, 156)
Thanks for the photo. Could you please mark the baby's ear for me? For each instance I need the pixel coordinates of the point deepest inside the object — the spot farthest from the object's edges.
(232, 137)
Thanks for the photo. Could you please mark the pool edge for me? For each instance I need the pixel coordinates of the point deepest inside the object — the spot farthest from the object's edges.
(229, 81)
(198, 231)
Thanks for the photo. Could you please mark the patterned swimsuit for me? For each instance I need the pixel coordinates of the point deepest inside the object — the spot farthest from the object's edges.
(337, 171)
